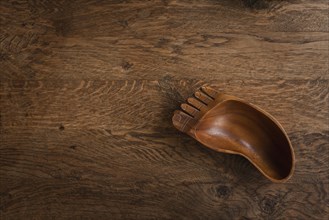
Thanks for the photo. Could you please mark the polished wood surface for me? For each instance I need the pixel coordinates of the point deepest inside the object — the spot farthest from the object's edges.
(230, 125)
(88, 89)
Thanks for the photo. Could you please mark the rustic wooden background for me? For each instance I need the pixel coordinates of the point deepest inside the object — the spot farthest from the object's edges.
(88, 89)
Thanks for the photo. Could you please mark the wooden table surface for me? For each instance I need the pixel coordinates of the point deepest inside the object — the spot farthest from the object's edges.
(88, 89)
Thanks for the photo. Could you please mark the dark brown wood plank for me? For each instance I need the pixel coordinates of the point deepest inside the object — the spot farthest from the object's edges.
(142, 104)
(146, 41)
(221, 56)
(100, 174)
(88, 88)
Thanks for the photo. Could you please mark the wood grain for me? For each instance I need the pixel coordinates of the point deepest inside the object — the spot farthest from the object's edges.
(88, 89)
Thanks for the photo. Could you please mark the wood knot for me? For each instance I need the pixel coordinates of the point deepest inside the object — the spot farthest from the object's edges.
(61, 127)
(162, 42)
(223, 191)
(73, 147)
(123, 23)
(255, 4)
(3, 56)
(268, 205)
(126, 65)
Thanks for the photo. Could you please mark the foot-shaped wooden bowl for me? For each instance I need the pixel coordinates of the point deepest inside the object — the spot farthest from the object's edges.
(228, 124)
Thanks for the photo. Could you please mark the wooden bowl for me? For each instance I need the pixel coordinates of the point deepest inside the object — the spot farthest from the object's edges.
(228, 124)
